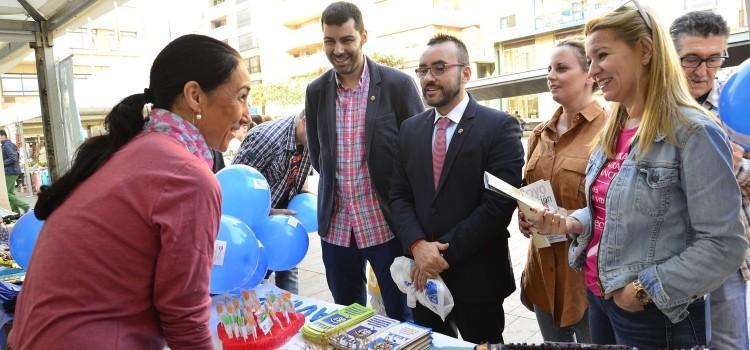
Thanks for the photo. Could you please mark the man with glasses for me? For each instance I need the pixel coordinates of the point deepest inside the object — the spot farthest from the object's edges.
(444, 217)
(700, 38)
(354, 112)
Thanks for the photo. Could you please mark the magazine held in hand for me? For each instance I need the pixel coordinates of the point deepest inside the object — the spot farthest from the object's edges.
(537, 195)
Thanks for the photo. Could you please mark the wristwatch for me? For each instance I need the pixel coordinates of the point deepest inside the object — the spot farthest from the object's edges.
(641, 294)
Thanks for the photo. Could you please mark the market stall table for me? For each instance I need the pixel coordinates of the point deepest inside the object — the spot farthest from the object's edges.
(314, 309)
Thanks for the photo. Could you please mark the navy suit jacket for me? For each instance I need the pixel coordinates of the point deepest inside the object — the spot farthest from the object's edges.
(474, 221)
(393, 97)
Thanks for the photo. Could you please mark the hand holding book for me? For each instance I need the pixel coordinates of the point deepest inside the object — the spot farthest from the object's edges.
(536, 202)
(553, 222)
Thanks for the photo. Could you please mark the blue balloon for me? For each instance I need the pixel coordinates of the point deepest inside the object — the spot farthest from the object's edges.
(260, 272)
(306, 206)
(285, 241)
(23, 237)
(244, 193)
(236, 256)
(734, 104)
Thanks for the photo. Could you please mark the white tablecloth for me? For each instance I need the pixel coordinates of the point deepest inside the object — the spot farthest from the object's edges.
(315, 309)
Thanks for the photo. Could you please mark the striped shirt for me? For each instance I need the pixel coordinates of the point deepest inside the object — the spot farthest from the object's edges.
(270, 148)
(743, 178)
(356, 209)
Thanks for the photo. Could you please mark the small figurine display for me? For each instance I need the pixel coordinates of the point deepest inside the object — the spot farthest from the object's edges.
(249, 323)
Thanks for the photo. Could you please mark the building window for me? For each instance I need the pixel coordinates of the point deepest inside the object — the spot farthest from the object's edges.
(253, 64)
(216, 2)
(485, 70)
(247, 42)
(218, 23)
(244, 18)
(563, 13)
(507, 22)
(128, 40)
(81, 39)
(19, 84)
(123, 40)
(517, 57)
(527, 106)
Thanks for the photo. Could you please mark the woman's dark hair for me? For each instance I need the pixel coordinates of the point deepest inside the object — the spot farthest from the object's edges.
(191, 57)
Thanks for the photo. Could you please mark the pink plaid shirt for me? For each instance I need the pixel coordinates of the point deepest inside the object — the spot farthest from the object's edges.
(356, 209)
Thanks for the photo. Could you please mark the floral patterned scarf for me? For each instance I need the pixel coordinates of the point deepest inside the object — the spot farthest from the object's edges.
(166, 122)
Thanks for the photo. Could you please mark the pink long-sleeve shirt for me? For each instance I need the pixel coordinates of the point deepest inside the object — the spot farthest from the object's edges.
(125, 262)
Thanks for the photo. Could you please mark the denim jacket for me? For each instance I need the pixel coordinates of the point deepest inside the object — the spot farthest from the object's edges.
(673, 217)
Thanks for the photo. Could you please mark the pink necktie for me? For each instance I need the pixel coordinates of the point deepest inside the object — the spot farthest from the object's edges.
(439, 148)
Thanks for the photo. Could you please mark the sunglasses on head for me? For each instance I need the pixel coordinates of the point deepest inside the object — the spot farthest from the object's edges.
(641, 11)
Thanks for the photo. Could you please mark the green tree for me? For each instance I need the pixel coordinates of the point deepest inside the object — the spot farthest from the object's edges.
(389, 60)
(292, 92)
(284, 94)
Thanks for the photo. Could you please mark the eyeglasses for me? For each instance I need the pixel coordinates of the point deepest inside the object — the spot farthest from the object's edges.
(641, 12)
(437, 69)
(693, 61)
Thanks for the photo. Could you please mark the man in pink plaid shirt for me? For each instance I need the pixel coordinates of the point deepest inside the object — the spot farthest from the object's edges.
(354, 112)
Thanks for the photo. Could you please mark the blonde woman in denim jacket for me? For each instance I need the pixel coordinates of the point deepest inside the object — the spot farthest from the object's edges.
(662, 226)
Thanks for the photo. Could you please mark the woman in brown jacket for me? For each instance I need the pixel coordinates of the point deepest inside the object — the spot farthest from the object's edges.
(558, 151)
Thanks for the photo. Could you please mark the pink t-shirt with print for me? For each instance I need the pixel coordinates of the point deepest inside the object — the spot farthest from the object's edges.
(598, 200)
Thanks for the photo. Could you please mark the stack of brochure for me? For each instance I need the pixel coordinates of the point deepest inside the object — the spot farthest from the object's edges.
(404, 336)
(357, 336)
(336, 322)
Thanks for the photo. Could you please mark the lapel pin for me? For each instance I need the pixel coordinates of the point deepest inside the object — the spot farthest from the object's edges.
(372, 98)
(460, 131)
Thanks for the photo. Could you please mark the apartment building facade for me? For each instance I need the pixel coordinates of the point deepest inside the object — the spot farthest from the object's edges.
(282, 40)
(524, 33)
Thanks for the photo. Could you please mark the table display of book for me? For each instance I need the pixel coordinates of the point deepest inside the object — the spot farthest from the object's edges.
(564, 346)
(356, 327)
(336, 322)
(552, 346)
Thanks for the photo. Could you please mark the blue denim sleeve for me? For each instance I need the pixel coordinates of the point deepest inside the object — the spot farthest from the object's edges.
(583, 215)
(577, 249)
(713, 205)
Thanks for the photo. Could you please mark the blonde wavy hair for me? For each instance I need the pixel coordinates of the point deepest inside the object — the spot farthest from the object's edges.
(666, 87)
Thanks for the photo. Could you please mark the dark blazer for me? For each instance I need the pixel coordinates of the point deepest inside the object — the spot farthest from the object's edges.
(474, 221)
(10, 158)
(393, 98)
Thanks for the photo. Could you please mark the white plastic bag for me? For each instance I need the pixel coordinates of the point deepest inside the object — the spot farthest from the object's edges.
(373, 290)
(435, 295)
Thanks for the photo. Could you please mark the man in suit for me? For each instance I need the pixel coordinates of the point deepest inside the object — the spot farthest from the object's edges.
(354, 112)
(444, 217)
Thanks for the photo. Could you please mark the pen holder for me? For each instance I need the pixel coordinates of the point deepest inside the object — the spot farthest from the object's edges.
(275, 339)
